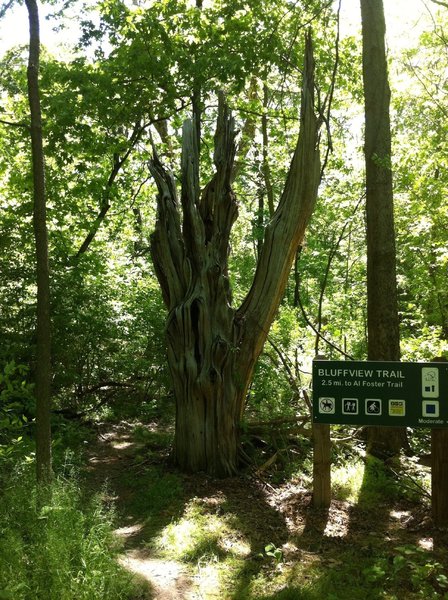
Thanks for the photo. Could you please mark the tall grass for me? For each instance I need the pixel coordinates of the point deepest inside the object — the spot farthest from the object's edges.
(61, 550)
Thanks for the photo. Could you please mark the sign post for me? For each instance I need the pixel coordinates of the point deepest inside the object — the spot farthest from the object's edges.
(439, 471)
(439, 477)
(394, 394)
(321, 466)
(321, 462)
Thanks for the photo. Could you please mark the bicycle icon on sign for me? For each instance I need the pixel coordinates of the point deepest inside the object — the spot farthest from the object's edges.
(373, 407)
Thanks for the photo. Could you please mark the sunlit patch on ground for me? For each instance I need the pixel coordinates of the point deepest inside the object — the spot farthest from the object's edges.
(338, 520)
(347, 481)
(129, 531)
(167, 577)
(237, 547)
(122, 445)
(426, 543)
(400, 515)
(107, 460)
(208, 578)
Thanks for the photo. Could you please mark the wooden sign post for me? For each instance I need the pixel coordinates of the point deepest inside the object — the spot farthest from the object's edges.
(439, 472)
(382, 394)
(321, 462)
(439, 477)
(321, 466)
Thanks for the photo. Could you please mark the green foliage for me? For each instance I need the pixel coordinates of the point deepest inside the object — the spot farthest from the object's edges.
(270, 393)
(16, 396)
(347, 480)
(378, 485)
(61, 550)
(272, 551)
(17, 408)
(421, 176)
(134, 70)
(410, 567)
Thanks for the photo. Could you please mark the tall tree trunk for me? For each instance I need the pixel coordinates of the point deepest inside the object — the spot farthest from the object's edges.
(212, 348)
(43, 357)
(382, 305)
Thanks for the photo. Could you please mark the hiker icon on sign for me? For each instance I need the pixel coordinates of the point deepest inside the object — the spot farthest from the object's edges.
(349, 406)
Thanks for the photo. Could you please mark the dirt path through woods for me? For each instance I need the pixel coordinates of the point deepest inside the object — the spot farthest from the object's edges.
(111, 467)
(135, 474)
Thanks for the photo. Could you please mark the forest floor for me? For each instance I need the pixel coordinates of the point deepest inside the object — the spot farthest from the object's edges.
(194, 537)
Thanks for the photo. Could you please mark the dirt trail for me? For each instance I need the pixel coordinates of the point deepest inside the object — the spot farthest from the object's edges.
(111, 459)
(118, 466)
(132, 475)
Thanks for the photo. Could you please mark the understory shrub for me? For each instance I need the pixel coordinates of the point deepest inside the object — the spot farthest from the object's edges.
(61, 549)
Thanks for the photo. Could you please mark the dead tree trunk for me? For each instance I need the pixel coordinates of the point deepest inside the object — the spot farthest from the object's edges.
(212, 348)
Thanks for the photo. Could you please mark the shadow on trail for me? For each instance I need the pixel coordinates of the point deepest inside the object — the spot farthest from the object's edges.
(154, 501)
(371, 515)
(181, 532)
(381, 544)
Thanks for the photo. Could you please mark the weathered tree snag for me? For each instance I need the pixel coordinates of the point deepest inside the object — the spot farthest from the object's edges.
(212, 349)
(285, 232)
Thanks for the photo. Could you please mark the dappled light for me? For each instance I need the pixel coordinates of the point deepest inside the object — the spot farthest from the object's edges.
(426, 544)
(129, 530)
(223, 300)
(203, 533)
(167, 578)
(246, 539)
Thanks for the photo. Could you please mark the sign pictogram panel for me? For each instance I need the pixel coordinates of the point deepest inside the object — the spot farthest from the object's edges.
(397, 408)
(327, 406)
(374, 407)
(430, 382)
(380, 393)
(350, 406)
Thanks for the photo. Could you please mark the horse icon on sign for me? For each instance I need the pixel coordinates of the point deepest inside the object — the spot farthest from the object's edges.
(327, 406)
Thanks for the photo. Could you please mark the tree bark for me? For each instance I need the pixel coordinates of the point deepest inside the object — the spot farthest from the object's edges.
(266, 169)
(212, 348)
(382, 302)
(43, 351)
(285, 232)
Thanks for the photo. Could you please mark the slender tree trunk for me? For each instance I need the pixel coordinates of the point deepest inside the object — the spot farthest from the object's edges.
(212, 348)
(382, 304)
(265, 165)
(43, 359)
(248, 132)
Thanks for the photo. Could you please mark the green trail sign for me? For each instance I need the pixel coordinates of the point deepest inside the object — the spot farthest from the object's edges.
(380, 393)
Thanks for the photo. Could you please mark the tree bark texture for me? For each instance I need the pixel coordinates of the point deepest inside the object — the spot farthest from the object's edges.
(212, 347)
(382, 303)
(43, 350)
